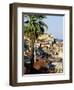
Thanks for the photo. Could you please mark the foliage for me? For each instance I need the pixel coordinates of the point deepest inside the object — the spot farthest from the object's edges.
(34, 26)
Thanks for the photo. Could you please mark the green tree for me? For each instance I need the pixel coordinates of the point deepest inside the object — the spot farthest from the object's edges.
(33, 28)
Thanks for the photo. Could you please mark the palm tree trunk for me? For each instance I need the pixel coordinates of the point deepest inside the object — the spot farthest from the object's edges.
(32, 57)
(34, 54)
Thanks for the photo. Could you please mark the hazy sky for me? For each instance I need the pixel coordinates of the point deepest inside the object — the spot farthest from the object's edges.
(55, 25)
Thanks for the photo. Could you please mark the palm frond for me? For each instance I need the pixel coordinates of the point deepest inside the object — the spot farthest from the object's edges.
(43, 24)
(26, 21)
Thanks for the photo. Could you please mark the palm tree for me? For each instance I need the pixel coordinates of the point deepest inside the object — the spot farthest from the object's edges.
(33, 28)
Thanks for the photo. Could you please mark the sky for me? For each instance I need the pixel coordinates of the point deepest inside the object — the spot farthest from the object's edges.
(55, 25)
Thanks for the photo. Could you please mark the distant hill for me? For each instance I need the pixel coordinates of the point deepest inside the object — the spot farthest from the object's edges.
(60, 40)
